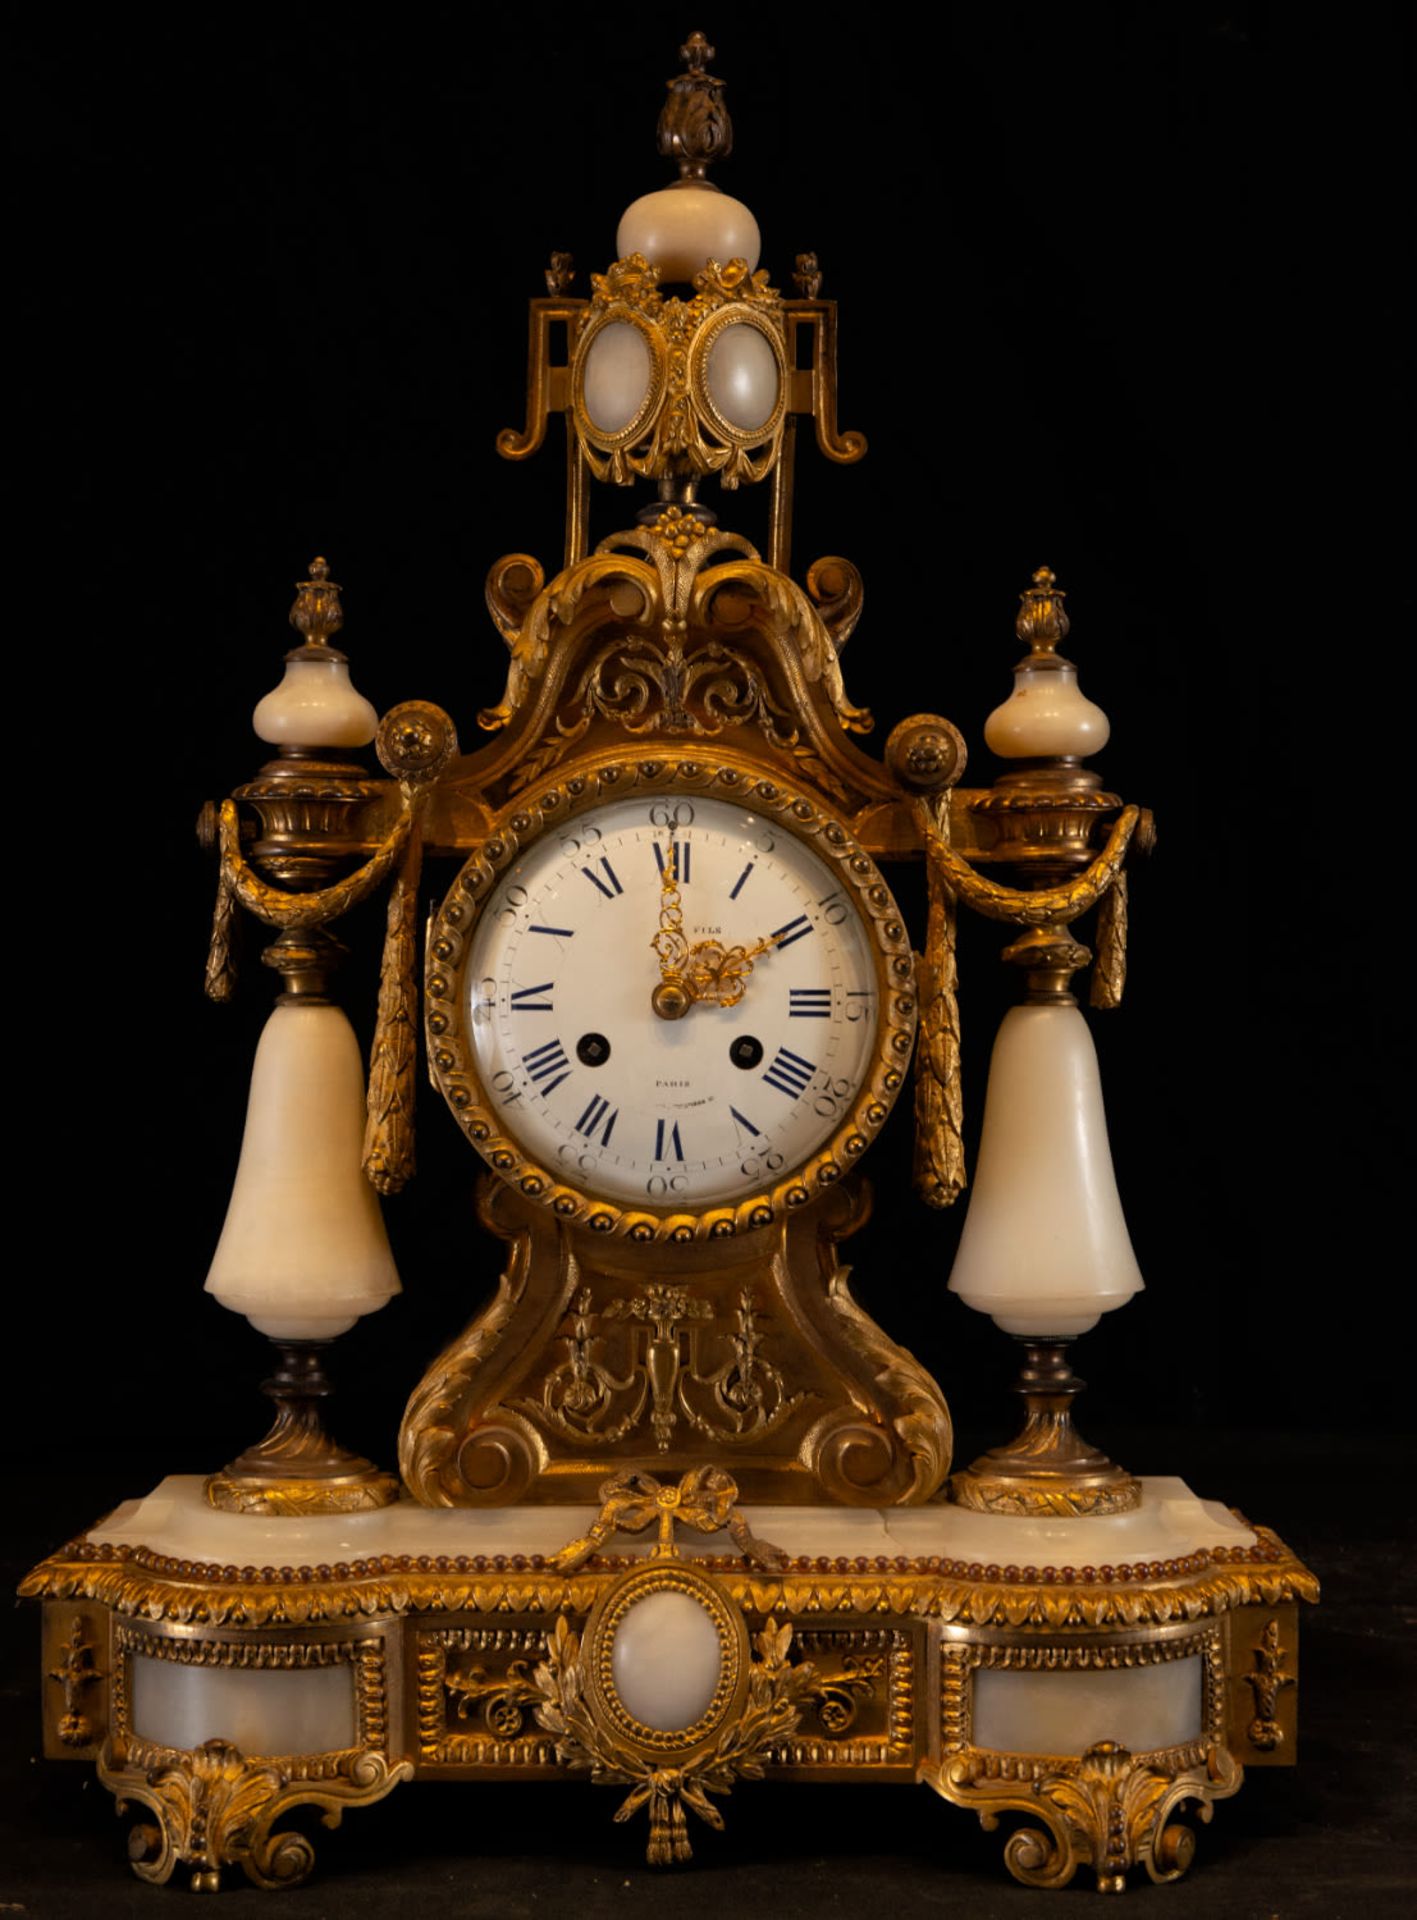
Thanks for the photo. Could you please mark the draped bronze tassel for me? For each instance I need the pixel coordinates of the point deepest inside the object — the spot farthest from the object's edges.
(940, 1175)
(221, 963)
(1109, 975)
(393, 1062)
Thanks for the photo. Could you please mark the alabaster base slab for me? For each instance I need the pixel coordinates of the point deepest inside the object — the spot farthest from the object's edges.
(176, 1520)
(1094, 1676)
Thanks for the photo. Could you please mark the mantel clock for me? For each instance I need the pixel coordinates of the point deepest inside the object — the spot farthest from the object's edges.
(672, 1009)
(666, 992)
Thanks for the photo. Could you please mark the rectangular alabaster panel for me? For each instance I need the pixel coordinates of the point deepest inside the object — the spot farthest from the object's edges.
(1142, 1708)
(176, 1520)
(265, 1712)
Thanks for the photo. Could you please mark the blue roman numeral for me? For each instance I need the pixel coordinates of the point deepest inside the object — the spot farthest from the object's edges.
(681, 853)
(742, 880)
(590, 1121)
(797, 929)
(809, 1003)
(790, 1073)
(660, 1141)
(524, 999)
(544, 1061)
(561, 933)
(610, 875)
(745, 1123)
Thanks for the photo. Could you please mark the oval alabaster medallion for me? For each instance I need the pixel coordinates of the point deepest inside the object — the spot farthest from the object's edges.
(665, 1658)
(617, 378)
(673, 1005)
(738, 370)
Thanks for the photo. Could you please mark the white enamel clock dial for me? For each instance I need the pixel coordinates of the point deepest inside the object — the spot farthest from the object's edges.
(592, 1082)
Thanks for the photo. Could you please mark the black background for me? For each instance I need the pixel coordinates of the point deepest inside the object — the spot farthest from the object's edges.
(1119, 292)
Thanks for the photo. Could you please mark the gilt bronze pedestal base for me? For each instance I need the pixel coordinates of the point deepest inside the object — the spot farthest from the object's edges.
(223, 1668)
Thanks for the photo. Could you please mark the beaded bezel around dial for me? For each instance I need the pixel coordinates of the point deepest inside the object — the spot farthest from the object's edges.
(451, 1053)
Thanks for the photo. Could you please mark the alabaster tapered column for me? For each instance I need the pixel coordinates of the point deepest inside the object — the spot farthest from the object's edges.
(303, 1252)
(1045, 1247)
(1045, 1251)
(303, 1255)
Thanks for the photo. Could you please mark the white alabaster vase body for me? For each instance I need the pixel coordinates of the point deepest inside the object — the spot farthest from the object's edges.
(1045, 1247)
(680, 229)
(315, 705)
(1047, 714)
(303, 1252)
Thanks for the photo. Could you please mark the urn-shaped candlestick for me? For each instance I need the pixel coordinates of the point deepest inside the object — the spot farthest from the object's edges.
(303, 1252)
(1045, 1249)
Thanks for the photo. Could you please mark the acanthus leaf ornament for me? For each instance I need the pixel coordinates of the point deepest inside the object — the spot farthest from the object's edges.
(1110, 1810)
(214, 1808)
(676, 660)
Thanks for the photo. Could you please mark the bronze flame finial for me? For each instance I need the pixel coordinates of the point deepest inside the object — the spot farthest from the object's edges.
(1041, 623)
(317, 613)
(694, 127)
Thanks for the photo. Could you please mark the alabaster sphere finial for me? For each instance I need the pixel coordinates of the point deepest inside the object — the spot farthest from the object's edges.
(315, 704)
(1047, 716)
(679, 229)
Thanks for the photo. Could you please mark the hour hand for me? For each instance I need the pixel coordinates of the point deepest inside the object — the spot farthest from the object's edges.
(719, 974)
(760, 946)
(731, 967)
(741, 958)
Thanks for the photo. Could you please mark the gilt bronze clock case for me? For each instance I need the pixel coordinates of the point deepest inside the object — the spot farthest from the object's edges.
(725, 1331)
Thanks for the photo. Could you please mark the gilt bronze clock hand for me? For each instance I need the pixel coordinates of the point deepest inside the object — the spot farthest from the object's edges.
(673, 997)
(669, 943)
(707, 970)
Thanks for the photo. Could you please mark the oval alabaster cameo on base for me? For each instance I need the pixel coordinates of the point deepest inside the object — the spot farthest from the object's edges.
(665, 1658)
(665, 1661)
